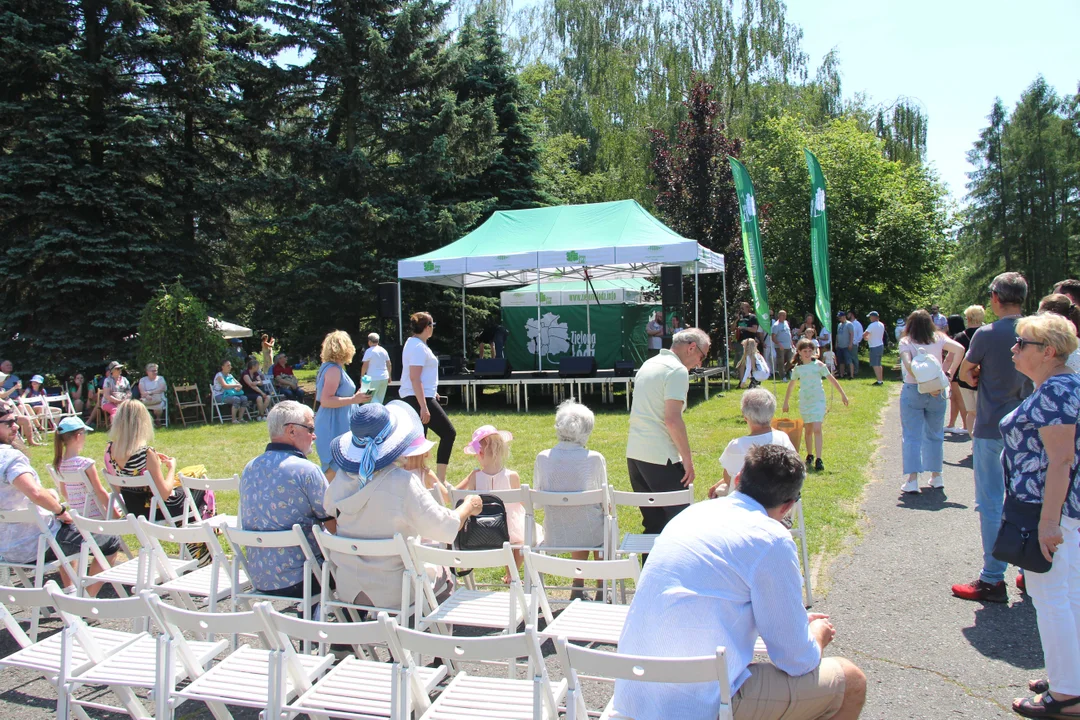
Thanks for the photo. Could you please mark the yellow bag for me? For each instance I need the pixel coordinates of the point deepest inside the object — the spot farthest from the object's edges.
(793, 429)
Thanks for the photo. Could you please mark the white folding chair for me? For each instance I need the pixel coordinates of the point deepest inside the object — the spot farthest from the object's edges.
(356, 687)
(244, 678)
(45, 656)
(131, 665)
(186, 581)
(32, 575)
(599, 663)
(92, 507)
(216, 406)
(131, 572)
(641, 543)
(218, 486)
(270, 389)
(332, 545)
(498, 610)
(546, 501)
(158, 512)
(244, 540)
(60, 407)
(38, 426)
(471, 696)
(42, 414)
(798, 533)
(516, 495)
(599, 622)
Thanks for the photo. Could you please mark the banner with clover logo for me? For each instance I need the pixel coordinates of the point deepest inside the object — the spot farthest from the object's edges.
(751, 235)
(819, 241)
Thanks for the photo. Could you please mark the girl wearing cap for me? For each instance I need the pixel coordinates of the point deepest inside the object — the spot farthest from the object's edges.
(492, 448)
(373, 497)
(37, 390)
(68, 460)
(419, 388)
(336, 392)
(115, 390)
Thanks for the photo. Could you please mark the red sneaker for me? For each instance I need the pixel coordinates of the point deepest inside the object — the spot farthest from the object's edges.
(1020, 584)
(982, 591)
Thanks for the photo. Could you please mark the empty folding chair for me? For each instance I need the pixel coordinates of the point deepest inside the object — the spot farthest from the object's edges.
(498, 610)
(131, 665)
(218, 486)
(578, 661)
(332, 545)
(355, 687)
(45, 657)
(583, 620)
(471, 696)
(641, 543)
(192, 401)
(185, 582)
(32, 574)
(244, 678)
(129, 573)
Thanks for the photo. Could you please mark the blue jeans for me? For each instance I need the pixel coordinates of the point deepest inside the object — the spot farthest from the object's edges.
(855, 357)
(989, 500)
(922, 421)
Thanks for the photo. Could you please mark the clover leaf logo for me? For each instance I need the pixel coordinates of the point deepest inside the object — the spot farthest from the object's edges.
(430, 266)
(573, 256)
(750, 208)
(819, 202)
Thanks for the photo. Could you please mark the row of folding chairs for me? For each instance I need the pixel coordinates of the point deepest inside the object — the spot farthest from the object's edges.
(45, 413)
(176, 656)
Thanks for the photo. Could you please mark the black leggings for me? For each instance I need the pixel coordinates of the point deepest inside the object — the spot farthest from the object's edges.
(440, 424)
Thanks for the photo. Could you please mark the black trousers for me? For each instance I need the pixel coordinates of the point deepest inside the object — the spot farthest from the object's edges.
(652, 478)
(440, 424)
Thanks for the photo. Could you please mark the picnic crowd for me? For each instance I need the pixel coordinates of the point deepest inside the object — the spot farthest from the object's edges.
(722, 572)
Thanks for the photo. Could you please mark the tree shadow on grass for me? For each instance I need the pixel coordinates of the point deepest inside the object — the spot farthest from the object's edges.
(1009, 633)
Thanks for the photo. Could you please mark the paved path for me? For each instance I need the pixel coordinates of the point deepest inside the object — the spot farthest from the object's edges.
(926, 654)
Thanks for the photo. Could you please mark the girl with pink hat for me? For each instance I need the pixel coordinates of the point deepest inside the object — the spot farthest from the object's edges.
(492, 448)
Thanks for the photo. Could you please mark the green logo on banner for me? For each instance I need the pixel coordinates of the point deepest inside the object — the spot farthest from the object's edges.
(573, 256)
(750, 207)
(430, 266)
(654, 248)
(544, 298)
(501, 257)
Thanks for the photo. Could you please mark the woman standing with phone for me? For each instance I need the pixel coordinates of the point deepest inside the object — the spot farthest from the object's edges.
(419, 385)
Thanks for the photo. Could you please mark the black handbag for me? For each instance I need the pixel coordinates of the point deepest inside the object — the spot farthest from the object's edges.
(1017, 541)
(486, 531)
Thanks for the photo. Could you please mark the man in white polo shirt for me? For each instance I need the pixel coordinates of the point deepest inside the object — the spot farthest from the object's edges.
(875, 340)
(657, 449)
(377, 367)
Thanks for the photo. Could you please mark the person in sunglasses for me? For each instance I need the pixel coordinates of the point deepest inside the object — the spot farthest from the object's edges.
(279, 489)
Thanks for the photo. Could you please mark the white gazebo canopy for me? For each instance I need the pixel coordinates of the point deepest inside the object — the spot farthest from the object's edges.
(229, 330)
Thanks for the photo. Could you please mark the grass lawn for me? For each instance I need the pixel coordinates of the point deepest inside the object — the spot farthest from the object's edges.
(830, 499)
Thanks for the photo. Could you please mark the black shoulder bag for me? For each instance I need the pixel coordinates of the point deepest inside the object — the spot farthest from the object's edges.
(1017, 541)
(486, 531)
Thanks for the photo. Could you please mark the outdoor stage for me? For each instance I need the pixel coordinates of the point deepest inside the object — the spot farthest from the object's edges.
(516, 387)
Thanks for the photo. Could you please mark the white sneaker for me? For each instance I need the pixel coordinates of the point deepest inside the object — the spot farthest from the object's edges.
(953, 430)
(911, 486)
(936, 481)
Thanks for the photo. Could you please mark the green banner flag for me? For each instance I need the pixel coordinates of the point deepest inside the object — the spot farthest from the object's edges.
(751, 241)
(819, 241)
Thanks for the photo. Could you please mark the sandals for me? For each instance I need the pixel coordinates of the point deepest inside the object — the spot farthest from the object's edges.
(1045, 706)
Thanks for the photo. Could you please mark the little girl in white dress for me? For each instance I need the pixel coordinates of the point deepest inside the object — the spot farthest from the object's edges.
(492, 448)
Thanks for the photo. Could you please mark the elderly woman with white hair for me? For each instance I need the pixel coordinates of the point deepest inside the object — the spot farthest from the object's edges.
(758, 407)
(571, 467)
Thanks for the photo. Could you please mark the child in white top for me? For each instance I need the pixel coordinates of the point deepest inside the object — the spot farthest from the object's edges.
(492, 448)
(829, 358)
(70, 440)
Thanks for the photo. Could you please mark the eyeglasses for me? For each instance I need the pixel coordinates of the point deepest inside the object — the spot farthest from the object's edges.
(1022, 342)
(10, 423)
(703, 353)
(309, 428)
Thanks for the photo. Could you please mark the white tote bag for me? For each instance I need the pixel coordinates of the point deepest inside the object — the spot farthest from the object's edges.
(928, 373)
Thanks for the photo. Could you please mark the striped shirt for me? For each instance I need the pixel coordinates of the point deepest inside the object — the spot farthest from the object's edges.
(721, 573)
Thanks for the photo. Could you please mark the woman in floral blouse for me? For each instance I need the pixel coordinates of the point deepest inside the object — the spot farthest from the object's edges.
(1041, 459)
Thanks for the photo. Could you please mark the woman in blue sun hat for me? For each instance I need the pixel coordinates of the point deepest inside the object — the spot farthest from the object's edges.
(374, 497)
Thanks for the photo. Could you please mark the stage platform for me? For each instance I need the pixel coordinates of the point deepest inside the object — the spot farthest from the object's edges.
(516, 387)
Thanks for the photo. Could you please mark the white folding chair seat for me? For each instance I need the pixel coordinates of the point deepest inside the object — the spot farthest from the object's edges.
(602, 664)
(470, 696)
(218, 486)
(336, 545)
(581, 620)
(32, 575)
(479, 608)
(642, 543)
(124, 574)
(214, 582)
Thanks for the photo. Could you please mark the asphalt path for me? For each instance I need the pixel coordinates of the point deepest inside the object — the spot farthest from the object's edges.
(926, 654)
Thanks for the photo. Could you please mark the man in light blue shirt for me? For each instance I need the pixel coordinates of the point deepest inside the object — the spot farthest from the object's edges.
(722, 573)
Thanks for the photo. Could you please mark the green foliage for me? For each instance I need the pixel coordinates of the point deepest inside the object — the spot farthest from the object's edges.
(887, 219)
(175, 334)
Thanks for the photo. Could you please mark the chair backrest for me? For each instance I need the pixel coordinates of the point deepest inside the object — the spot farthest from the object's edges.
(25, 598)
(89, 527)
(577, 660)
(293, 537)
(546, 498)
(129, 608)
(516, 495)
(177, 389)
(628, 568)
(176, 621)
(141, 481)
(660, 499)
(463, 559)
(78, 477)
(27, 516)
(312, 631)
(380, 547)
(229, 484)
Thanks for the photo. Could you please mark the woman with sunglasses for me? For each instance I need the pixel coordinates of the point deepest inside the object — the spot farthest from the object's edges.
(1042, 467)
(419, 388)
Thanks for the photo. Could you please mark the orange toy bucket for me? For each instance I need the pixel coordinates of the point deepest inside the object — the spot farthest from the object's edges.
(793, 429)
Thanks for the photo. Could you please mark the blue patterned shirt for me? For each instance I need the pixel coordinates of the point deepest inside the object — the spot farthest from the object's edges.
(1055, 402)
(279, 489)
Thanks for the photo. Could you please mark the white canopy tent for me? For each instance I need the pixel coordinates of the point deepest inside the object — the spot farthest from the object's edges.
(229, 330)
(599, 241)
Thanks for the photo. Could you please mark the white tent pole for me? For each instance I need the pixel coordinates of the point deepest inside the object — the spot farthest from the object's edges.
(588, 315)
(464, 344)
(727, 343)
(400, 325)
(539, 357)
(696, 301)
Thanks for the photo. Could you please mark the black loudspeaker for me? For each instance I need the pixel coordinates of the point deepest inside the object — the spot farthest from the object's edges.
(492, 368)
(388, 300)
(577, 367)
(671, 285)
(624, 368)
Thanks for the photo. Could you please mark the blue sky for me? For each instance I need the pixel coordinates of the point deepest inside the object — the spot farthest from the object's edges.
(952, 56)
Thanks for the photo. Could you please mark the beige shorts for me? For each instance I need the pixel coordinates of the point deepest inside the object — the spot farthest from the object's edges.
(771, 694)
(970, 397)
